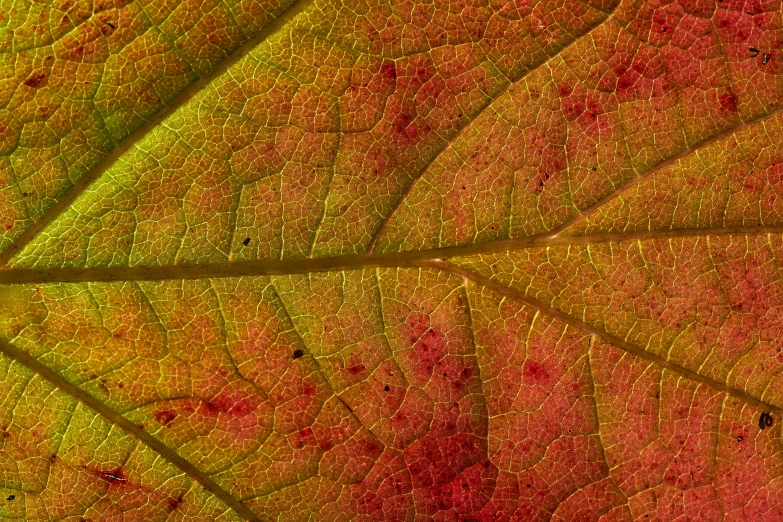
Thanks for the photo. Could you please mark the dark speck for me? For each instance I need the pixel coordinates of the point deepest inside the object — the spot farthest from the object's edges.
(298, 354)
(753, 51)
(739, 438)
(111, 25)
(386, 388)
(36, 80)
(765, 58)
(246, 241)
(113, 477)
(11, 497)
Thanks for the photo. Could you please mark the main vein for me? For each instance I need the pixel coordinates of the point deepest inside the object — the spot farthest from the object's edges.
(348, 262)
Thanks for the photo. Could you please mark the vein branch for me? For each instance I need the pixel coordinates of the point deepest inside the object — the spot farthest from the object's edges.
(29, 362)
(136, 136)
(400, 201)
(687, 151)
(605, 336)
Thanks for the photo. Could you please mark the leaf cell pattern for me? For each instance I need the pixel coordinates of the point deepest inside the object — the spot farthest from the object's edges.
(349, 260)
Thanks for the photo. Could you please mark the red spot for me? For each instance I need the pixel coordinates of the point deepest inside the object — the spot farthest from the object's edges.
(165, 416)
(535, 373)
(210, 408)
(430, 348)
(728, 101)
(113, 477)
(402, 126)
(174, 503)
(221, 403)
(35, 80)
(355, 369)
(389, 70)
(303, 438)
(462, 378)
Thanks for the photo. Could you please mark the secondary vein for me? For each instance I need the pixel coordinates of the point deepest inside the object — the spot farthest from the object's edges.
(607, 337)
(136, 136)
(29, 362)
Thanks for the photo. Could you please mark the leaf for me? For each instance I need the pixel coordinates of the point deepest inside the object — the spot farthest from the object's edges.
(411, 261)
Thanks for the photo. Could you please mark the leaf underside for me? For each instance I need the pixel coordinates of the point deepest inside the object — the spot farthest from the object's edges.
(320, 260)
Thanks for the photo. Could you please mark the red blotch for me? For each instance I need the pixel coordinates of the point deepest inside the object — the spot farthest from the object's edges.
(573, 106)
(389, 70)
(728, 101)
(302, 438)
(224, 404)
(173, 503)
(405, 129)
(535, 373)
(356, 369)
(165, 417)
(429, 347)
(438, 466)
(462, 378)
(209, 408)
(372, 449)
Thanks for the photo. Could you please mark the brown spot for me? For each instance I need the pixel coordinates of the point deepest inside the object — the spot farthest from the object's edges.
(174, 503)
(298, 354)
(165, 417)
(36, 80)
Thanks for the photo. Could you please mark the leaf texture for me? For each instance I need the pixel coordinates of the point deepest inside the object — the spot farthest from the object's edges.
(351, 260)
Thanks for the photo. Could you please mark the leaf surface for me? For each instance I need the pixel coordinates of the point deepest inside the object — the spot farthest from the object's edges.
(409, 261)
